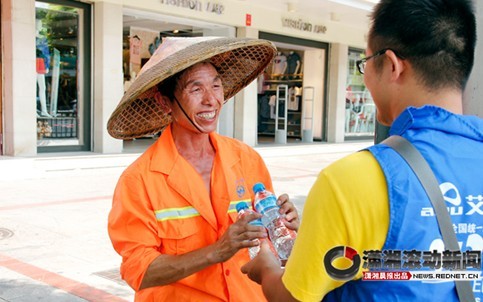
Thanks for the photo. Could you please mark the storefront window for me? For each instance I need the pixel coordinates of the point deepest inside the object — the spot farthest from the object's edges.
(281, 85)
(61, 68)
(291, 92)
(360, 116)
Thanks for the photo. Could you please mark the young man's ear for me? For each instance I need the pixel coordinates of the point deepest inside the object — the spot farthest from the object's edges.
(398, 65)
(163, 101)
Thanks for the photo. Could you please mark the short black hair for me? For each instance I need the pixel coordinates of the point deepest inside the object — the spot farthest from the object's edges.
(438, 37)
(168, 86)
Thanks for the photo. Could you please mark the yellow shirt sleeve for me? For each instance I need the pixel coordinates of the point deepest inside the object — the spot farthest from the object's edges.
(347, 206)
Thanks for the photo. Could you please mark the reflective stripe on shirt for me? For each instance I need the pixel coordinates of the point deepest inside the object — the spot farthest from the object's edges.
(176, 213)
(187, 212)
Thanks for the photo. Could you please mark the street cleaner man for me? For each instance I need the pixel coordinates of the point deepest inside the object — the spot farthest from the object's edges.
(418, 59)
(173, 218)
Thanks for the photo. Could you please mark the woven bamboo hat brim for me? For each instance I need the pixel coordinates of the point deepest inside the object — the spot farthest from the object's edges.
(238, 61)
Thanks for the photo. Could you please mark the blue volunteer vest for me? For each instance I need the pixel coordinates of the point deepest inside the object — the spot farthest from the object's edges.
(453, 146)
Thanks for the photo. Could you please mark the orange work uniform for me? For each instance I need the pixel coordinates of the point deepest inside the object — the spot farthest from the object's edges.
(161, 206)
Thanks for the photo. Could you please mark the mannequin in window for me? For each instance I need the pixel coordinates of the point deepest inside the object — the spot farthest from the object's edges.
(293, 64)
(263, 106)
(42, 64)
(279, 65)
(42, 69)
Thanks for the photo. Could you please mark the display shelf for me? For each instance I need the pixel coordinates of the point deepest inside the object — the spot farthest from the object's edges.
(284, 81)
(282, 93)
(294, 124)
(57, 127)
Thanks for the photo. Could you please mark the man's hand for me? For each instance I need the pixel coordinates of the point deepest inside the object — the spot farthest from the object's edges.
(265, 261)
(239, 235)
(265, 270)
(288, 209)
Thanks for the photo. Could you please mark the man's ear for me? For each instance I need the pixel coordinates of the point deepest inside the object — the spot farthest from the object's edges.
(163, 101)
(398, 65)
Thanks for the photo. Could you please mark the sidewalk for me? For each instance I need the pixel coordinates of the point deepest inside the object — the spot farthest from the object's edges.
(53, 214)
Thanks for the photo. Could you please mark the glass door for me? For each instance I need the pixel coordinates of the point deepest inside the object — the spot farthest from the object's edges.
(360, 116)
(63, 99)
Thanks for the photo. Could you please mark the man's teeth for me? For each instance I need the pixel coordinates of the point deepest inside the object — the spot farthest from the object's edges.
(207, 115)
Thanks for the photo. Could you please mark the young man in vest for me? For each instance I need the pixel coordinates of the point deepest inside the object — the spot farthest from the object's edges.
(418, 59)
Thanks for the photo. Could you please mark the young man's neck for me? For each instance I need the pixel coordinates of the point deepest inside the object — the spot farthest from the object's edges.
(415, 95)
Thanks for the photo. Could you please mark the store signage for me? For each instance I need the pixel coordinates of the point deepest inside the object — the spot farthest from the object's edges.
(197, 5)
(248, 20)
(303, 25)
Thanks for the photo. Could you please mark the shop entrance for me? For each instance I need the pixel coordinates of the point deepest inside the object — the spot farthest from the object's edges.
(291, 92)
(63, 75)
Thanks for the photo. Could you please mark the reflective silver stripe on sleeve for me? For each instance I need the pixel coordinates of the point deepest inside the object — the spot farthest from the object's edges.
(176, 213)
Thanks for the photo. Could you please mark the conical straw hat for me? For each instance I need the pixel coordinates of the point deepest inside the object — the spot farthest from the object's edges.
(238, 61)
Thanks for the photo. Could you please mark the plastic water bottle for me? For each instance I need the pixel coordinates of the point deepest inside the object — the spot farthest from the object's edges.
(282, 237)
(243, 210)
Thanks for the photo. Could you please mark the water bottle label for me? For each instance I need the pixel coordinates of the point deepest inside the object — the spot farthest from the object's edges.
(266, 204)
(256, 222)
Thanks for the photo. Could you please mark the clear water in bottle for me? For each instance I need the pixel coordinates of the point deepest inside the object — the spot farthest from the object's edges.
(243, 210)
(282, 237)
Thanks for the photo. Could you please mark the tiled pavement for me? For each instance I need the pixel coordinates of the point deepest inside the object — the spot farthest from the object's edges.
(53, 215)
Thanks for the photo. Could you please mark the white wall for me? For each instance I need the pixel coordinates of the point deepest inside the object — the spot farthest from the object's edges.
(472, 101)
(263, 19)
(246, 107)
(108, 75)
(19, 82)
(336, 101)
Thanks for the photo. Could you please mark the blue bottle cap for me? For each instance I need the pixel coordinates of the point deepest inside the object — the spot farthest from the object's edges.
(241, 206)
(258, 187)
